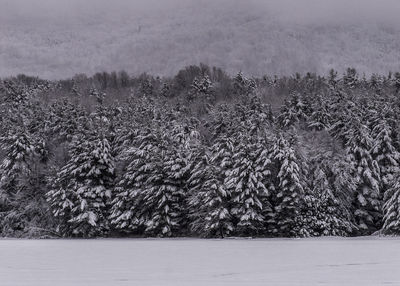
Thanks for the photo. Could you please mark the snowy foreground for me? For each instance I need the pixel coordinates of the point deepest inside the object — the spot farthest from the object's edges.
(328, 261)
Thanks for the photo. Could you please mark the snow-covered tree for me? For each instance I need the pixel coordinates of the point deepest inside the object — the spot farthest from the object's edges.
(146, 87)
(293, 111)
(247, 182)
(243, 85)
(385, 152)
(350, 79)
(323, 213)
(127, 211)
(202, 88)
(165, 195)
(23, 210)
(320, 117)
(391, 209)
(209, 200)
(151, 194)
(397, 82)
(368, 212)
(289, 189)
(15, 168)
(83, 187)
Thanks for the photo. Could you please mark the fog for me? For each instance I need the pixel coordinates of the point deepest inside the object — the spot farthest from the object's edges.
(59, 38)
(334, 11)
(302, 11)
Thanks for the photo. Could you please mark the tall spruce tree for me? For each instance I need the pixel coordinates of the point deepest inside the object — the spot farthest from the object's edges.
(289, 188)
(367, 203)
(247, 183)
(209, 200)
(391, 208)
(83, 187)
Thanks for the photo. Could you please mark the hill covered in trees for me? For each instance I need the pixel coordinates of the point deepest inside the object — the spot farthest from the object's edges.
(56, 40)
(200, 154)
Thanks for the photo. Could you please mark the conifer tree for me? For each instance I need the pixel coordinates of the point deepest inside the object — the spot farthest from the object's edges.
(350, 79)
(83, 187)
(248, 186)
(15, 170)
(165, 195)
(391, 208)
(127, 212)
(289, 189)
(368, 212)
(293, 111)
(150, 196)
(202, 87)
(323, 213)
(209, 199)
(384, 152)
(243, 86)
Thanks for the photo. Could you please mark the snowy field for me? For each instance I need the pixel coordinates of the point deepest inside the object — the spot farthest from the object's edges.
(328, 261)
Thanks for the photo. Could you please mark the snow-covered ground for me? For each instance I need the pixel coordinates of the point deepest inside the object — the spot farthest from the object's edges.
(142, 262)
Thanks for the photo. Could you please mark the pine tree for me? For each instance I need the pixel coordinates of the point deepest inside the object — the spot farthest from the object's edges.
(146, 87)
(165, 195)
(82, 188)
(243, 86)
(367, 202)
(323, 212)
(150, 196)
(247, 184)
(391, 208)
(350, 79)
(209, 199)
(397, 82)
(202, 87)
(320, 117)
(127, 212)
(293, 111)
(289, 189)
(384, 152)
(15, 170)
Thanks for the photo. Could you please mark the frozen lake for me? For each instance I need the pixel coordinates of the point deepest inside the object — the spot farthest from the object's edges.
(178, 262)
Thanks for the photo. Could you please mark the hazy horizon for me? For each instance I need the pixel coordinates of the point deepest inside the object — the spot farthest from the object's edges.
(56, 39)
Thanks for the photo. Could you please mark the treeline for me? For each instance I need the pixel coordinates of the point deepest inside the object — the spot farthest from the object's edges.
(200, 154)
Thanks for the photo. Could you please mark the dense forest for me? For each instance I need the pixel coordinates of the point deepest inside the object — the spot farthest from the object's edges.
(200, 154)
(57, 39)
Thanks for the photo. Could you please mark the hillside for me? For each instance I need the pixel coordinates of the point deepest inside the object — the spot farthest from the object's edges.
(55, 41)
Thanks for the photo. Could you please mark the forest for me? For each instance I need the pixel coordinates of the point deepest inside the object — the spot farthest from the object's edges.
(200, 154)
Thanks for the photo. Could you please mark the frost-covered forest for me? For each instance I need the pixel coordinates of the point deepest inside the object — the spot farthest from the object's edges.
(200, 154)
(57, 39)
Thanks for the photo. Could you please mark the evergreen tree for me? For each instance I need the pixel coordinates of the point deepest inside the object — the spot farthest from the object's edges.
(165, 195)
(384, 152)
(350, 79)
(247, 184)
(289, 189)
(151, 194)
(397, 82)
(209, 199)
(321, 117)
(202, 86)
(323, 213)
(127, 212)
(293, 111)
(15, 170)
(83, 187)
(367, 202)
(391, 208)
(243, 86)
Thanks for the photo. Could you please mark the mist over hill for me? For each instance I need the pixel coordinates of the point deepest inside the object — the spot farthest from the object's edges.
(57, 39)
